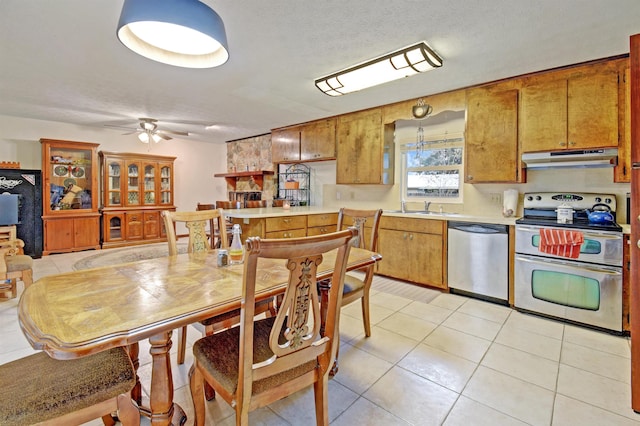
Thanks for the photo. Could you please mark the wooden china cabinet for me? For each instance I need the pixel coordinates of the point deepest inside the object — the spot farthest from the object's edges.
(70, 216)
(135, 189)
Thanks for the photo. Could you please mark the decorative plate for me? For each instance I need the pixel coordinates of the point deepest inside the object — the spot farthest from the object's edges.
(61, 171)
(77, 171)
(69, 181)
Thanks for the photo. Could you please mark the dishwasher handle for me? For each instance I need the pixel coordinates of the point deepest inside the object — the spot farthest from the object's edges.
(478, 228)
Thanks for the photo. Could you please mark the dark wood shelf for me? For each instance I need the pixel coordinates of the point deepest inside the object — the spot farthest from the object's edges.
(257, 175)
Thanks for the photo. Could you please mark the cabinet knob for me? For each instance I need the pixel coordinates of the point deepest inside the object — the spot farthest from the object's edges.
(411, 236)
(286, 220)
(572, 143)
(469, 177)
(404, 236)
(562, 143)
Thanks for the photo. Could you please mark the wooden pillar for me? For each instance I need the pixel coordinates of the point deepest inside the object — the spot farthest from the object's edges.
(634, 220)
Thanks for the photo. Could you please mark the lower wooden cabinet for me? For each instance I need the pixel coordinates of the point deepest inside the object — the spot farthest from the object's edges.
(286, 227)
(130, 227)
(71, 234)
(413, 250)
(319, 224)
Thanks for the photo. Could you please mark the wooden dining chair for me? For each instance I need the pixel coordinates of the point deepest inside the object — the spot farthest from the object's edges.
(213, 233)
(40, 389)
(356, 287)
(14, 264)
(262, 361)
(196, 224)
(253, 204)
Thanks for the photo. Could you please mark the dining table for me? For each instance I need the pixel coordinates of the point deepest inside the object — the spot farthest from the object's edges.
(75, 314)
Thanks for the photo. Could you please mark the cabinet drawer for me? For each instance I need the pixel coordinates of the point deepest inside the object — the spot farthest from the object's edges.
(285, 223)
(322, 219)
(294, 233)
(321, 230)
(427, 226)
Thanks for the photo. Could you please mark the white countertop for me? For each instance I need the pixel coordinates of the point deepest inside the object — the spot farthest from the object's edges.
(296, 211)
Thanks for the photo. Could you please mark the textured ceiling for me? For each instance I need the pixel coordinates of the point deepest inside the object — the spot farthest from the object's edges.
(61, 61)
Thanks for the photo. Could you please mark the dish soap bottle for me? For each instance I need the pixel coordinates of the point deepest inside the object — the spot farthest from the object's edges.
(236, 251)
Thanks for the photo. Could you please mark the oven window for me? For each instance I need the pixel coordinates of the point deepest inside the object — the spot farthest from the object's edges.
(588, 247)
(566, 289)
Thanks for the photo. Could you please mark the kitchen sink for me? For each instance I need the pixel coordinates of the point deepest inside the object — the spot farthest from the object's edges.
(422, 212)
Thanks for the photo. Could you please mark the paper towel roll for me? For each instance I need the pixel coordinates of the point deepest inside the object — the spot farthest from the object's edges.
(510, 202)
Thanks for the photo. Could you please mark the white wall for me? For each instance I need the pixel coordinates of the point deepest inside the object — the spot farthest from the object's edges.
(195, 165)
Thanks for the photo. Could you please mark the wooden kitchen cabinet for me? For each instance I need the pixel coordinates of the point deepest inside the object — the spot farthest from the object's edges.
(364, 153)
(413, 250)
(286, 227)
(135, 189)
(71, 220)
(622, 172)
(491, 151)
(314, 141)
(577, 112)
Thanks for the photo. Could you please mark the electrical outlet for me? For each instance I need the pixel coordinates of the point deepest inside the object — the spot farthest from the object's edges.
(496, 197)
(352, 194)
(338, 195)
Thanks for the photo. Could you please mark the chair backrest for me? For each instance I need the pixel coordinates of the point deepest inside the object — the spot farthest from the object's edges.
(296, 337)
(358, 218)
(196, 225)
(251, 204)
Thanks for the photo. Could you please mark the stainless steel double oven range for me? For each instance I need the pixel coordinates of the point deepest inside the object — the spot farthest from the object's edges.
(586, 289)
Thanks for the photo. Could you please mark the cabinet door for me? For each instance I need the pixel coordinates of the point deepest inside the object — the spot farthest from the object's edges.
(134, 181)
(86, 232)
(359, 148)
(593, 111)
(149, 184)
(113, 175)
(151, 225)
(543, 116)
(491, 152)
(166, 183)
(59, 235)
(135, 225)
(113, 227)
(392, 245)
(425, 260)
(318, 141)
(285, 145)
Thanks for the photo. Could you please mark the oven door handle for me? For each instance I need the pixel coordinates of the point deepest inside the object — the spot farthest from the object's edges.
(583, 266)
(603, 235)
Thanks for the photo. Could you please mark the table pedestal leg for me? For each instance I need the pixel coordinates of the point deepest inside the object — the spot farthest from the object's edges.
(162, 409)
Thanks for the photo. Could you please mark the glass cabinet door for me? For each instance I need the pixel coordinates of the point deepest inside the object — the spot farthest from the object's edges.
(165, 185)
(114, 169)
(149, 184)
(71, 172)
(133, 185)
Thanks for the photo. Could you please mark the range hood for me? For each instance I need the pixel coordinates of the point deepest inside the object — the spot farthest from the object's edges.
(605, 157)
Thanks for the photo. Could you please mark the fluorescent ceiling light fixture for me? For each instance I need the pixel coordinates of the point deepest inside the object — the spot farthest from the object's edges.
(184, 33)
(405, 62)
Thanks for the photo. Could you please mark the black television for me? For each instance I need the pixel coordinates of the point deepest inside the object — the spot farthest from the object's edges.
(9, 209)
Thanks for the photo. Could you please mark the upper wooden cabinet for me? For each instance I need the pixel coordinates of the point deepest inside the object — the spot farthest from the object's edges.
(364, 152)
(577, 112)
(313, 141)
(71, 220)
(491, 153)
(622, 172)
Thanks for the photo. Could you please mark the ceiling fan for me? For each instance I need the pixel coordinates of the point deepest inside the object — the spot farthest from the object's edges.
(148, 131)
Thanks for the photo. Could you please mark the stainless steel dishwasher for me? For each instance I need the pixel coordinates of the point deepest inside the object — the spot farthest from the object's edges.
(478, 260)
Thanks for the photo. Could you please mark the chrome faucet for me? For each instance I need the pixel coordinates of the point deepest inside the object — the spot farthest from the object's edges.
(426, 205)
(403, 206)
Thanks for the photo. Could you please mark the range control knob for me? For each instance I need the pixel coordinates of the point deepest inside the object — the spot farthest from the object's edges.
(538, 198)
(608, 200)
(529, 198)
(598, 200)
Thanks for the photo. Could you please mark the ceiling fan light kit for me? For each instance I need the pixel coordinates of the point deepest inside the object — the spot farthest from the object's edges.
(405, 62)
(183, 33)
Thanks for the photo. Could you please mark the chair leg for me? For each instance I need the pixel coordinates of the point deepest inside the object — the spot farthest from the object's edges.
(365, 313)
(196, 384)
(321, 394)
(27, 277)
(128, 412)
(182, 344)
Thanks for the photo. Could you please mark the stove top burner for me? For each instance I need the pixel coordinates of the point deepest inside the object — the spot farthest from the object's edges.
(540, 209)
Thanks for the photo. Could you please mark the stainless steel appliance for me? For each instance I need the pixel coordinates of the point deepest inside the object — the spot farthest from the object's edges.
(586, 289)
(478, 260)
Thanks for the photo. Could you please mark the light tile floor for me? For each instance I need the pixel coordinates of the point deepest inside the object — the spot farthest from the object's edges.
(433, 359)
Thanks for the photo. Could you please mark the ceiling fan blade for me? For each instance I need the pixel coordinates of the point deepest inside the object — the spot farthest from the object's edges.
(163, 136)
(173, 132)
(129, 128)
